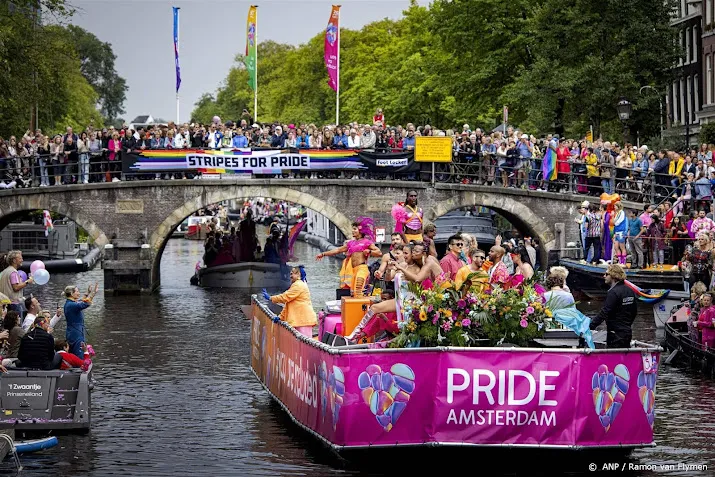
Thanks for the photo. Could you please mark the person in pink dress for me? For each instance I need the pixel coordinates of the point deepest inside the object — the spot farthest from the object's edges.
(706, 320)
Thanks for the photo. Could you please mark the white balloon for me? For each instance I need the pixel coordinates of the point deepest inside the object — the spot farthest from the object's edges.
(41, 276)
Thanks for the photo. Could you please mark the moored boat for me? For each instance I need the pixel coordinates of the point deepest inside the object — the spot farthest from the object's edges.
(589, 278)
(684, 350)
(244, 275)
(359, 397)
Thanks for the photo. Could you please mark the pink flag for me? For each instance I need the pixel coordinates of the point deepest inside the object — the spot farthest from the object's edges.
(332, 47)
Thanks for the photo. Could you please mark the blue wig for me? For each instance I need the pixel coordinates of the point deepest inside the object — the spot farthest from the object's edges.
(303, 276)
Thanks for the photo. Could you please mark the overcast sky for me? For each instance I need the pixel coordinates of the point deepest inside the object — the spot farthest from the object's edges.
(211, 33)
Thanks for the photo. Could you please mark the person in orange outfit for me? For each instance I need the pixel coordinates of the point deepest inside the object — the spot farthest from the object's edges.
(298, 310)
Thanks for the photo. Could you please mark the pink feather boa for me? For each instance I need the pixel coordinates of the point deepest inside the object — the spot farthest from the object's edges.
(400, 215)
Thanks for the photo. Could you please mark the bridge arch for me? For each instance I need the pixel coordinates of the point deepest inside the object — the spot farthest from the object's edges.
(160, 236)
(14, 206)
(514, 210)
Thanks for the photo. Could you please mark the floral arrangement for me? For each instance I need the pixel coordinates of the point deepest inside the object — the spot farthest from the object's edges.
(484, 315)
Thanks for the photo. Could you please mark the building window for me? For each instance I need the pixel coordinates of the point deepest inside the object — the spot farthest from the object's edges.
(688, 46)
(708, 79)
(695, 51)
(681, 99)
(709, 12)
(696, 96)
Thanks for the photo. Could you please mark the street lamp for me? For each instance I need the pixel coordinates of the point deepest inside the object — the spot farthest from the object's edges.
(624, 108)
(660, 102)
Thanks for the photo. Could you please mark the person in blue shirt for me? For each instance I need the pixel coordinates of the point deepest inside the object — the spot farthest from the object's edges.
(239, 139)
(635, 242)
(74, 307)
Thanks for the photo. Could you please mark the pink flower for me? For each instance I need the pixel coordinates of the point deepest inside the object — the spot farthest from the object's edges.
(466, 322)
(427, 284)
(461, 304)
(446, 326)
(524, 323)
(430, 309)
(435, 319)
(539, 289)
(517, 280)
(529, 310)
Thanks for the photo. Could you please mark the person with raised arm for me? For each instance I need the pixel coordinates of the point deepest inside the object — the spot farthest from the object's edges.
(354, 271)
(298, 311)
(74, 315)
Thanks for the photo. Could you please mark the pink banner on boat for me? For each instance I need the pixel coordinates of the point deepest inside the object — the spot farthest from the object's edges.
(332, 46)
(473, 396)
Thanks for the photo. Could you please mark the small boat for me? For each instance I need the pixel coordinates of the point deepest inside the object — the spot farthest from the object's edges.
(245, 275)
(180, 231)
(663, 309)
(589, 278)
(197, 226)
(358, 398)
(35, 445)
(685, 351)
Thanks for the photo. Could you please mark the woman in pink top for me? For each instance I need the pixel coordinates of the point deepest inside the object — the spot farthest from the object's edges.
(115, 146)
(706, 320)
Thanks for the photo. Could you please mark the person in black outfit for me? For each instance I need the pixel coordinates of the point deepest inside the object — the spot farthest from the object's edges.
(37, 348)
(619, 310)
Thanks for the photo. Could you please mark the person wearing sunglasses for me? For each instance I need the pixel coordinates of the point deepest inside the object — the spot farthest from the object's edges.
(619, 310)
(453, 260)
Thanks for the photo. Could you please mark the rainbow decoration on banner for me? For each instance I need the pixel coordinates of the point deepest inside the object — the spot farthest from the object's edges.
(175, 159)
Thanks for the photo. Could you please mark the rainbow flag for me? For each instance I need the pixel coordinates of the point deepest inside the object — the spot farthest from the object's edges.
(548, 166)
(293, 236)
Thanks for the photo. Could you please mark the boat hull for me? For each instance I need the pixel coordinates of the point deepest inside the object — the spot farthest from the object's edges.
(363, 397)
(589, 278)
(688, 352)
(663, 309)
(246, 275)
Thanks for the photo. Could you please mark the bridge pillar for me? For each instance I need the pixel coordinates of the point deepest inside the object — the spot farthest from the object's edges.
(127, 268)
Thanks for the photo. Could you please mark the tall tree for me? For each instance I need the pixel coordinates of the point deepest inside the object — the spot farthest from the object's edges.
(97, 63)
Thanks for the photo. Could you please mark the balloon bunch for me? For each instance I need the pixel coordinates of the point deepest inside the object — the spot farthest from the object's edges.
(38, 272)
(609, 392)
(646, 393)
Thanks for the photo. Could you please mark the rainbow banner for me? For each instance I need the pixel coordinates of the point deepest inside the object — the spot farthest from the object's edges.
(548, 166)
(231, 161)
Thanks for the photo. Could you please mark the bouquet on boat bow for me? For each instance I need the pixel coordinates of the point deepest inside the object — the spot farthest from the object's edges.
(476, 314)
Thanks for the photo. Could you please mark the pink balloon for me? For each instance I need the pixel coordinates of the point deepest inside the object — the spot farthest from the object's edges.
(36, 265)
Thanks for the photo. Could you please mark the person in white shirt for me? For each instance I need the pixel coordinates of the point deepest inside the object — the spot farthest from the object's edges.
(32, 305)
(353, 140)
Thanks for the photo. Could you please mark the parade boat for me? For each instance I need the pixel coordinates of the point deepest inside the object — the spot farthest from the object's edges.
(244, 275)
(589, 278)
(366, 397)
(198, 226)
(683, 349)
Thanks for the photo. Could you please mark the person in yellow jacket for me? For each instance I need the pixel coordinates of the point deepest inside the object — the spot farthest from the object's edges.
(675, 169)
(298, 310)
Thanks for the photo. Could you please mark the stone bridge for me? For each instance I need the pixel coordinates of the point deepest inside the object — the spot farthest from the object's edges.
(138, 217)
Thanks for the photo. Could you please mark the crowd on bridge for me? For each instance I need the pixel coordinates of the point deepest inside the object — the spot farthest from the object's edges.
(503, 157)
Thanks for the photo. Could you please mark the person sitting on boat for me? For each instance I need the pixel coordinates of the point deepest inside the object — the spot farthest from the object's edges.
(479, 282)
(706, 320)
(522, 263)
(37, 347)
(379, 322)
(498, 273)
(619, 310)
(556, 297)
(562, 272)
(74, 315)
(399, 253)
(395, 240)
(69, 361)
(454, 259)
(696, 292)
(298, 310)
(270, 251)
(354, 271)
(408, 218)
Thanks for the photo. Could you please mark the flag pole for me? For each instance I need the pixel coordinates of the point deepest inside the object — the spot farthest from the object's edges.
(337, 91)
(255, 74)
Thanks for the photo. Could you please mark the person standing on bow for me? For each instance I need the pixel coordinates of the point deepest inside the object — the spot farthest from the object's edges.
(354, 272)
(408, 218)
(619, 310)
(298, 310)
(74, 314)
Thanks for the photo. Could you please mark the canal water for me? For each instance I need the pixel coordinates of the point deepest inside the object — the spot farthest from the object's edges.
(175, 394)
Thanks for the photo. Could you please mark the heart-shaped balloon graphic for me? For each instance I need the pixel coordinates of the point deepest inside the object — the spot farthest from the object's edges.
(609, 392)
(387, 392)
(332, 390)
(646, 393)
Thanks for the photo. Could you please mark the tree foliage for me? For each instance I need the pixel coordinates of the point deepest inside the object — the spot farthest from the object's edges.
(559, 65)
(40, 66)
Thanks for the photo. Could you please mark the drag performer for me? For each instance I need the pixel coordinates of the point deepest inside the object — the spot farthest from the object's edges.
(408, 218)
(620, 233)
(298, 310)
(354, 271)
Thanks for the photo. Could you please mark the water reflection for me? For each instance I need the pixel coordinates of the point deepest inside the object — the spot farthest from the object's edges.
(175, 394)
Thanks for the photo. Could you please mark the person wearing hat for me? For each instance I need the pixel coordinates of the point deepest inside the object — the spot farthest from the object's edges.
(619, 310)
